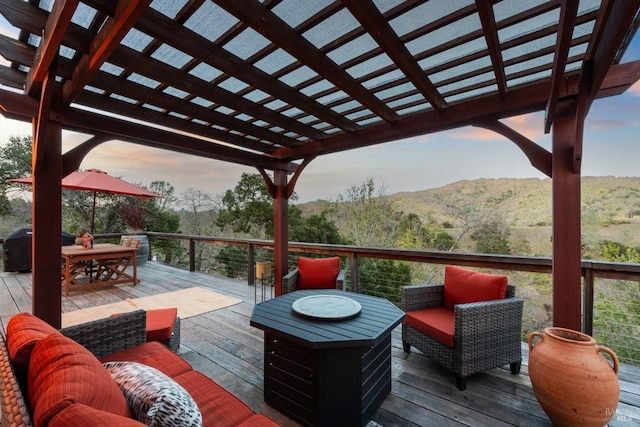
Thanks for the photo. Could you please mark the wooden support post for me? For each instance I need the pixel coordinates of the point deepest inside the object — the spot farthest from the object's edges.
(192, 255)
(280, 229)
(251, 265)
(47, 223)
(566, 269)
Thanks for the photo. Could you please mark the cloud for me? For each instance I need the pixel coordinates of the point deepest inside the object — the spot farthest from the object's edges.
(635, 89)
(604, 124)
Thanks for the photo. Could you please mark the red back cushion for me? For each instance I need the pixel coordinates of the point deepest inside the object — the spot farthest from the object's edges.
(318, 273)
(24, 330)
(63, 372)
(462, 286)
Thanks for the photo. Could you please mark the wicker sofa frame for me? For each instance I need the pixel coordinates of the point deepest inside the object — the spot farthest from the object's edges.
(100, 337)
(487, 334)
(290, 281)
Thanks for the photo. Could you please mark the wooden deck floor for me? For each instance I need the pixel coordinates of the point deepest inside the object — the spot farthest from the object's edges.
(223, 346)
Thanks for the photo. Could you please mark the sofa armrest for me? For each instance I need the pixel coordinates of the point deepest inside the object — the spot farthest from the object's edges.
(290, 282)
(111, 334)
(420, 297)
(13, 405)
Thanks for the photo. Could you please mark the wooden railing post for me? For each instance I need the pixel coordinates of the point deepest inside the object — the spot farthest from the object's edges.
(355, 272)
(587, 302)
(192, 255)
(251, 261)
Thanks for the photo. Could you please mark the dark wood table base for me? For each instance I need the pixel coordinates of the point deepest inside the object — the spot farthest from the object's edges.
(327, 373)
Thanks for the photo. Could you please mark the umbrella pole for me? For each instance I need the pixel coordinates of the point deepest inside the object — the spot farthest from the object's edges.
(92, 225)
(93, 213)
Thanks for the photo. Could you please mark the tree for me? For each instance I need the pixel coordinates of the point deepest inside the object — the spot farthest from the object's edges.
(414, 234)
(198, 217)
(199, 211)
(248, 208)
(492, 238)
(15, 162)
(314, 229)
(365, 216)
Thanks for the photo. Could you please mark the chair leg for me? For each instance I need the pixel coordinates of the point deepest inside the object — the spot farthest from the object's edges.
(515, 367)
(406, 347)
(461, 382)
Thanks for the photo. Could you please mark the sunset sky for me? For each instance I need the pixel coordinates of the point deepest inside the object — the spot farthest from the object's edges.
(611, 147)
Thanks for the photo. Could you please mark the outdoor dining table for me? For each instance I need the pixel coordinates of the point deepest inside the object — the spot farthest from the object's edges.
(104, 264)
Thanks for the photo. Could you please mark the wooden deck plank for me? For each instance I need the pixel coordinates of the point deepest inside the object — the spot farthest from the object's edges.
(222, 345)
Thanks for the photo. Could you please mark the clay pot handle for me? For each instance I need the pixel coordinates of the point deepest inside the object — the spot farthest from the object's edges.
(534, 334)
(610, 352)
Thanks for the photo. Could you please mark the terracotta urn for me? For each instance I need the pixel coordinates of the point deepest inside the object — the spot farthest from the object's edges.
(573, 382)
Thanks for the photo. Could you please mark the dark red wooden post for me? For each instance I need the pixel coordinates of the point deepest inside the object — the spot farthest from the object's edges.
(280, 229)
(47, 225)
(566, 226)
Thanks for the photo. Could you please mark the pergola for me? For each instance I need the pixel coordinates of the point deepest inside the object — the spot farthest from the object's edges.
(274, 83)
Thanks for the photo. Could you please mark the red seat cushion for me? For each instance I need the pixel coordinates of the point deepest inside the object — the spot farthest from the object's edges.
(318, 273)
(160, 323)
(462, 286)
(152, 354)
(217, 406)
(63, 372)
(438, 323)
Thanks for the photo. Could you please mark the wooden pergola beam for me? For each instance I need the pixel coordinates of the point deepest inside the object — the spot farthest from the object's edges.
(377, 26)
(275, 29)
(490, 30)
(47, 51)
(522, 100)
(158, 26)
(611, 32)
(85, 121)
(540, 158)
(568, 13)
(102, 46)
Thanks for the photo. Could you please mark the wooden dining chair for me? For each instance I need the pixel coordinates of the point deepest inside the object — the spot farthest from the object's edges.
(107, 269)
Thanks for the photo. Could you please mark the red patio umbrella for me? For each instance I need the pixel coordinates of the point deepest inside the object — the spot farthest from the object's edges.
(97, 181)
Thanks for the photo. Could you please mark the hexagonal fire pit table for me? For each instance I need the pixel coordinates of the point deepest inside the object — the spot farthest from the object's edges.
(327, 355)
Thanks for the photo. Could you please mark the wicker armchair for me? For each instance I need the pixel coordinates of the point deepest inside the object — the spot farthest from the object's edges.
(486, 334)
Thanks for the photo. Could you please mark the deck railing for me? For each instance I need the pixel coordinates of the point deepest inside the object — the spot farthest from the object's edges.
(606, 285)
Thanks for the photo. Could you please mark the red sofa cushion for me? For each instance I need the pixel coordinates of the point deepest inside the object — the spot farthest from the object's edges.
(318, 273)
(24, 331)
(217, 406)
(79, 415)
(160, 323)
(152, 354)
(462, 286)
(438, 323)
(63, 372)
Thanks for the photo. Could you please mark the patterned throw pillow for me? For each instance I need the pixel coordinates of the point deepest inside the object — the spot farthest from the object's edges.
(154, 398)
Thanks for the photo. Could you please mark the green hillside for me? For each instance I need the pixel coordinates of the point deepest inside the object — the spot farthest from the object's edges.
(611, 208)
